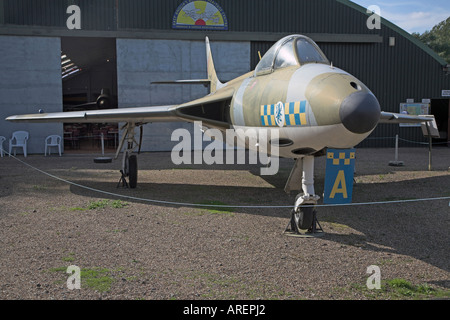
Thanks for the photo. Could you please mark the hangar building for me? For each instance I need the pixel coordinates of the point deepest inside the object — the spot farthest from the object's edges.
(62, 55)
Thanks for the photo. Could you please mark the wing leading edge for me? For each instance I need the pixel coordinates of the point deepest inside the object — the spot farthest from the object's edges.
(391, 117)
(139, 114)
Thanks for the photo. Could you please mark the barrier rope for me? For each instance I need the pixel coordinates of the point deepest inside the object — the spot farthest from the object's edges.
(184, 204)
(405, 140)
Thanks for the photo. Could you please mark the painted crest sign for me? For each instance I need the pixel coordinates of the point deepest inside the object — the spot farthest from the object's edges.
(203, 15)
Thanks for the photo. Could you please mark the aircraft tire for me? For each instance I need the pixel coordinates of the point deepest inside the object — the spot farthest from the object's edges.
(132, 171)
(305, 218)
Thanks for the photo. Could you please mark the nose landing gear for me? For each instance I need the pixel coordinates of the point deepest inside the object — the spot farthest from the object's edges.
(303, 222)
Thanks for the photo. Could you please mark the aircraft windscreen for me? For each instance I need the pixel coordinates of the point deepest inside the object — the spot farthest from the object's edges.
(308, 53)
(290, 51)
(266, 62)
(286, 56)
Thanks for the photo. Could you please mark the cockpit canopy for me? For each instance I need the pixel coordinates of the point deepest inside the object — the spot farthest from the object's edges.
(290, 51)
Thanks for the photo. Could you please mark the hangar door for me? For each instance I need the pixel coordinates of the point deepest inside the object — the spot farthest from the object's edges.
(30, 80)
(143, 61)
(440, 108)
(89, 81)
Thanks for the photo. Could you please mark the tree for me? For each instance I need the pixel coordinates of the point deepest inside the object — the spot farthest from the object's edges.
(438, 39)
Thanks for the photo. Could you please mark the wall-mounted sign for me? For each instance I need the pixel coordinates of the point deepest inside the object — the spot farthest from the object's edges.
(446, 93)
(204, 15)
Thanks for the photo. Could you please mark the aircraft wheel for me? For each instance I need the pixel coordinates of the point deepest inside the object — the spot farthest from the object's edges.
(304, 218)
(132, 171)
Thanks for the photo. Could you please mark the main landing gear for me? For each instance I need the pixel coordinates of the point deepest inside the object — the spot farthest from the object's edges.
(303, 222)
(129, 160)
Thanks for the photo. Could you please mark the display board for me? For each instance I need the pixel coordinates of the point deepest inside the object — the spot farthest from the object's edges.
(415, 109)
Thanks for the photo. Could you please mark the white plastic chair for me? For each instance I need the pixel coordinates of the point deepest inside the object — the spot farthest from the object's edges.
(1, 145)
(52, 141)
(18, 140)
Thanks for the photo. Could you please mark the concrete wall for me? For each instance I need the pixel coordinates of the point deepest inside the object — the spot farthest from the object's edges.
(30, 80)
(139, 62)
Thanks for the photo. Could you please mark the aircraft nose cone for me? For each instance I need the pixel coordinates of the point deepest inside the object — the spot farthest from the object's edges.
(360, 112)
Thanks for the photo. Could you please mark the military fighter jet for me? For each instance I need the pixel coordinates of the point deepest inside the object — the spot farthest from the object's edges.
(294, 89)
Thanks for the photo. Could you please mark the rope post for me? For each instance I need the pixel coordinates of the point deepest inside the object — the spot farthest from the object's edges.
(103, 146)
(429, 145)
(396, 163)
(396, 147)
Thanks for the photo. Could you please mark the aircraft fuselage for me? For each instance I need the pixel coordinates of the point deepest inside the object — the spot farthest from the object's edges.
(313, 107)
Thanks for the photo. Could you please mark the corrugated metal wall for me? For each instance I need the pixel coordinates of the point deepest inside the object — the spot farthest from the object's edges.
(95, 15)
(296, 16)
(394, 74)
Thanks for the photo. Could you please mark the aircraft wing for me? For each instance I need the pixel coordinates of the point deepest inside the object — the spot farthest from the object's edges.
(204, 82)
(139, 114)
(391, 117)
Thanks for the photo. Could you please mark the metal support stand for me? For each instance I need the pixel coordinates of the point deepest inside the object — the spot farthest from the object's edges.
(122, 180)
(314, 231)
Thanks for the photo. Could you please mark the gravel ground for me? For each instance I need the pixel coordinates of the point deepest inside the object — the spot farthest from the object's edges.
(133, 249)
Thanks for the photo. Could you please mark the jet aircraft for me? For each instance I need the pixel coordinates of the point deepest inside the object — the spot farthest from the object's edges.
(294, 89)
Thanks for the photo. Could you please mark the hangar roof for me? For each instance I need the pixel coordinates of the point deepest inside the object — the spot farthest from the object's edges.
(321, 20)
(399, 30)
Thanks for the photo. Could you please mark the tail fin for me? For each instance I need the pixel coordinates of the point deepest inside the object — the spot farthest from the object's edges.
(212, 76)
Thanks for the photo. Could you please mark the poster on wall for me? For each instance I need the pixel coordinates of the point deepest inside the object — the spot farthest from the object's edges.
(416, 109)
(199, 15)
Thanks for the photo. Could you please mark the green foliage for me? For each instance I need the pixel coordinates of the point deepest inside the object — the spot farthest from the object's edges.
(118, 204)
(97, 279)
(101, 204)
(406, 289)
(69, 258)
(438, 39)
(221, 208)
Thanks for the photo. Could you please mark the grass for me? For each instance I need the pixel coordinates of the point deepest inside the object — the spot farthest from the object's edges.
(69, 258)
(96, 278)
(118, 230)
(39, 187)
(102, 204)
(77, 209)
(118, 204)
(218, 209)
(401, 289)
(338, 226)
(99, 279)
(220, 286)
